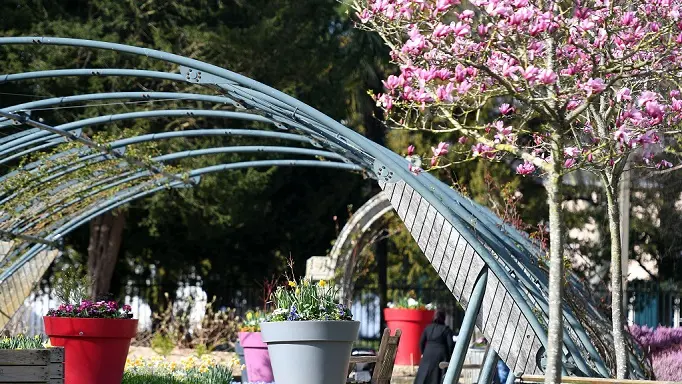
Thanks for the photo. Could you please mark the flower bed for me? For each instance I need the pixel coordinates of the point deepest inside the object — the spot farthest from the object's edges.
(664, 347)
(191, 370)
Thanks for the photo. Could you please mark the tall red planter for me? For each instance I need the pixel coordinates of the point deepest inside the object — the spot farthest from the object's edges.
(412, 323)
(95, 350)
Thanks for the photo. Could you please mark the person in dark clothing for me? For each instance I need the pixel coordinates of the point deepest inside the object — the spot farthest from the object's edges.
(436, 345)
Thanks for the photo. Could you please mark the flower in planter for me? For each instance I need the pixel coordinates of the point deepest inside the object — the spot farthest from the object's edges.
(72, 289)
(89, 309)
(252, 321)
(304, 301)
(409, 302)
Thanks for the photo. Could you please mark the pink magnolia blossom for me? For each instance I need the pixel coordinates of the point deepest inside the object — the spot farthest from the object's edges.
(506, 109)
(364, 16)
(444, 5)
(571, 151)
(441, 30)
(623, 94)
(547, 76)
(525, 169)
(663, 164)
(483, 150)
(392, 82)
(461, 30)
(467, 15)
(646, 97)
(444, 93)
(410, 150)
(441, 150)
(594, 86)
(530, 73)
(385, 101)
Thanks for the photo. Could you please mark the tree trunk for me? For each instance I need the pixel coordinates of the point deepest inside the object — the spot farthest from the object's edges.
(556, 278)
(616, 279)
(105, 242)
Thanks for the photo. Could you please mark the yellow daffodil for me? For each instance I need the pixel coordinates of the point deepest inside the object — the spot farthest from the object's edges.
(322, 283)
(292, 284)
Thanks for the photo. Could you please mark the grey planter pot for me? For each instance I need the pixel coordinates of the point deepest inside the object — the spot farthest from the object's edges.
(310, 352)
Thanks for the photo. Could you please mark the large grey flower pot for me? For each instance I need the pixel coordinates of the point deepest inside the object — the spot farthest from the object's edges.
(310, 352)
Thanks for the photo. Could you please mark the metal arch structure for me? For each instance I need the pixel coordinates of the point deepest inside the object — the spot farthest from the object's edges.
(353, 237)
(491, 269)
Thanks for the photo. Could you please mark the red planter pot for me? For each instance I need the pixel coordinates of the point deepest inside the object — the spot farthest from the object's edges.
(412, 323)
(95, 350)
(258, 367)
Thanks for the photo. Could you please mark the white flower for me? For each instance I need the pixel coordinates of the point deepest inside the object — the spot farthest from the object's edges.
(390, 305)
(430, 306)
(411, 303)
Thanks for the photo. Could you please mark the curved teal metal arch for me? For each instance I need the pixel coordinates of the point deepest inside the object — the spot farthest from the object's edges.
(465, 253)
(127, 177)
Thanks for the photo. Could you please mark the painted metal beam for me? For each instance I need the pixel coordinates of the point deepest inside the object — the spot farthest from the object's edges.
(466, 330)
(125, 177)
(99, 147)
(94, 72)
(124, 197)
(187, 134)
(489, 367)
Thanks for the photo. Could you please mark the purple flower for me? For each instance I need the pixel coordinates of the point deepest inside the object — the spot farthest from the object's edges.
(293, 315)
(88, 309)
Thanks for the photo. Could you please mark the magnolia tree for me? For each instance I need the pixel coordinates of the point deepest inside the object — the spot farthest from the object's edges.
(554, 85)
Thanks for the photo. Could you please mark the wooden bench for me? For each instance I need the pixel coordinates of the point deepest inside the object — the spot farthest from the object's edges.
(384, 360)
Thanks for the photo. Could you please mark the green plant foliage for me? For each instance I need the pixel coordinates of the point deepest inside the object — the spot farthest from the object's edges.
(22, 342)
(162, 344)
(73, 286)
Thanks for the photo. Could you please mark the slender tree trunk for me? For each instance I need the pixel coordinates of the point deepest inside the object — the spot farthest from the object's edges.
(105, 242)
(556, 278)
(616, 279)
